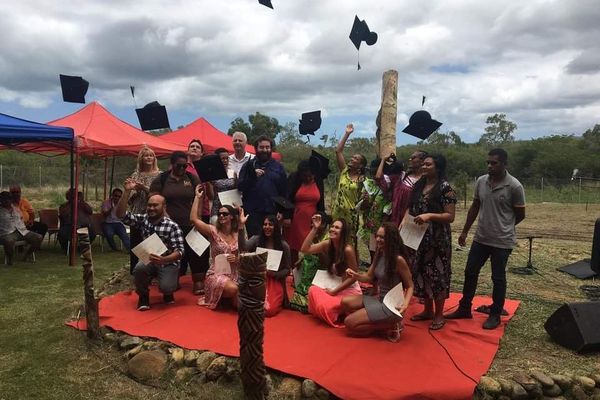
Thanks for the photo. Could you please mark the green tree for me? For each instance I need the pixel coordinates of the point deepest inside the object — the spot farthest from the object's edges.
(258, 124)
(239, 125)
(443, 139)
(499, 131)
(591, 138)
(289, 136)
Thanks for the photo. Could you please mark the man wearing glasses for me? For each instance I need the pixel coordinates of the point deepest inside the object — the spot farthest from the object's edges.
(499, 200)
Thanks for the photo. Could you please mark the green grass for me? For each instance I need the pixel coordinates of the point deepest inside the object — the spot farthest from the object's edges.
(41, 358)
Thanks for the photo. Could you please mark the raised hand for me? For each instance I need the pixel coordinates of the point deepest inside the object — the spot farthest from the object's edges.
(316, 221)
(242, 215)
(129, 184)
(349, 129)
(199, 191)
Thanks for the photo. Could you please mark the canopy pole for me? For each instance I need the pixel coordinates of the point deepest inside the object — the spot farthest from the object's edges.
(112, 174)
(74, 213)
(105, 177)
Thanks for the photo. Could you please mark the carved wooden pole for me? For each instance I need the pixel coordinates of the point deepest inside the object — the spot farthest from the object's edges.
(387, 114)
(251, 317)
(91, 305)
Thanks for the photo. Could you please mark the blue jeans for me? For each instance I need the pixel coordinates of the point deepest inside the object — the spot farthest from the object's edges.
(478, 255)
(110, 229)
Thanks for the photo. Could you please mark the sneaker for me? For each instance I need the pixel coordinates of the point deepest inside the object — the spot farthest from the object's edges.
(492, 322)
(143, 303)
(460, 313)
(168, 298)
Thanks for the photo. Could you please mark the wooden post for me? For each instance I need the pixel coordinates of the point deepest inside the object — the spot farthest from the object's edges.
(91, 305)
(251, 317)
(388, 113)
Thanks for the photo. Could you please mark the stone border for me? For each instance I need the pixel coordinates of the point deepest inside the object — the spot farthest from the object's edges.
(152, 360)
(537, 384)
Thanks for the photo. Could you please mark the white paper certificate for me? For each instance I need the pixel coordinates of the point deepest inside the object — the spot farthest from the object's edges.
(273, 258)
(411, 233)
(222, 265)
(229, 197)
(197, 242)
(325, 280)
(151, 245)
(394, 298)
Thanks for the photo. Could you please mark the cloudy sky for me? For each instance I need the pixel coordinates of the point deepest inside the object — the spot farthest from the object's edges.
(537, 61)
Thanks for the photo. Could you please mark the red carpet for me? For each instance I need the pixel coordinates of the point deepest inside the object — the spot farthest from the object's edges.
(417, 367)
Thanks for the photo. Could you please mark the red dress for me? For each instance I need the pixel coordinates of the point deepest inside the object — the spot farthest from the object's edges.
(306, 200)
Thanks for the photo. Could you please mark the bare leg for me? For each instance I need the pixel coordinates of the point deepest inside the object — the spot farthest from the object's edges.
(351, 303)
(230, 291)
(358, 324)
(438, 317)
(427, 312)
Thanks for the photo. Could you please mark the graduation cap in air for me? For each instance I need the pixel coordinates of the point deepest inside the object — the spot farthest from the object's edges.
(73, 88)
(421, 125)
(266, 3)
(310, 122)
(153, 116)
(360, 33)
(319, 165)
(210, 168)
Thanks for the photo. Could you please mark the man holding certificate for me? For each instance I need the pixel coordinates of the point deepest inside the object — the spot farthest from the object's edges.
(159, 261)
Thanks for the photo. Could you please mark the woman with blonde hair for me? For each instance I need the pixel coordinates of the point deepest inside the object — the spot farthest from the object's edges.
(145, 172)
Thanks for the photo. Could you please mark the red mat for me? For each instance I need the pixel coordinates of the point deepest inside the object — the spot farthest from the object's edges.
(417, 367)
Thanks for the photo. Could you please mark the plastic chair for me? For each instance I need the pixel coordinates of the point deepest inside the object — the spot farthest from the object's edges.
(19, 244)
(96, 223)
(49, 217)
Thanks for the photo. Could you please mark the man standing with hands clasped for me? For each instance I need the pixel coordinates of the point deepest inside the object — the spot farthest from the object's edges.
(499, 200)
(165, 267)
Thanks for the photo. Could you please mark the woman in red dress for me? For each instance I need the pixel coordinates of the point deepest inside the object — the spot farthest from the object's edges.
(307, 193)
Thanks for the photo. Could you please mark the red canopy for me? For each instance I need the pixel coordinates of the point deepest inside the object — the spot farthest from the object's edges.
(211, 137)
(99, 133)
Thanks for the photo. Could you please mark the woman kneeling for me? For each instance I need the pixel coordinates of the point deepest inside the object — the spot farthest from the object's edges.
(368, 314)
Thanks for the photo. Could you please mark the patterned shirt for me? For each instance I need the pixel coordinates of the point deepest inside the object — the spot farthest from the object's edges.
(166, 229)
(11, 220)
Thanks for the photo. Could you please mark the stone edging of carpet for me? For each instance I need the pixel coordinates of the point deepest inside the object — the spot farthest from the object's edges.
(537, 384)
(151, 360)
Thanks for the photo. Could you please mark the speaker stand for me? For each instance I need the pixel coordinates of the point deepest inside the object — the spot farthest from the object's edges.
(529, 269)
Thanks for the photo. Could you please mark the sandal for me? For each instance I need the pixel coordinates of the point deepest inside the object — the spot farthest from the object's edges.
(393, 335)
(436, 326)
(421, 317)
(198, 288)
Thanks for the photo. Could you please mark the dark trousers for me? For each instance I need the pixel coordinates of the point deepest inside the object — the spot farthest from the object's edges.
(64, 235)
(198, 264)
(167, 278)
(38, 227)
(135, 238)
(478, 255)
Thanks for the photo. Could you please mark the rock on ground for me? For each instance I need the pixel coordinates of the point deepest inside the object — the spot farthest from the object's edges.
(148, 364)
(203, 360)
(289, 388)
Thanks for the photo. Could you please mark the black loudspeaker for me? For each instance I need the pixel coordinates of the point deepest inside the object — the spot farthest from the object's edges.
(576, 326)
(595, 261)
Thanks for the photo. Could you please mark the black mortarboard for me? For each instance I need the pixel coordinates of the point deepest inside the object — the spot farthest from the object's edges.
(360, 33)
(153, 116)
(421, 125)
(266, 3)
(73, 88)
(282, 204)
(210, 168)
(319, 165)
(310, 122)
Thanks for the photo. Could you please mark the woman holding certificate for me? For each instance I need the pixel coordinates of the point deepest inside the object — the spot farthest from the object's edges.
(432, 202)
(369, 314)
(324, 301)
(222, 276)
(270, 238)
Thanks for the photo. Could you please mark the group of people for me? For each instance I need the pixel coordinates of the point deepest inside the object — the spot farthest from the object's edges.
(287, 213)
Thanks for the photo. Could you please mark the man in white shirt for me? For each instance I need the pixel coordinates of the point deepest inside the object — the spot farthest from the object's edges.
(12, 229)
(240, 156)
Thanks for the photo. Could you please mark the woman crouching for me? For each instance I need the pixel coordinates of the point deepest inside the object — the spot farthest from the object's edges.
(368, 314)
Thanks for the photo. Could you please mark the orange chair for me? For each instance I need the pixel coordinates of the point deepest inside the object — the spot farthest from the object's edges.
(49, 217)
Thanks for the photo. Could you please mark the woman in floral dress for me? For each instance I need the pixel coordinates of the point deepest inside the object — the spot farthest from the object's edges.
(433, 202)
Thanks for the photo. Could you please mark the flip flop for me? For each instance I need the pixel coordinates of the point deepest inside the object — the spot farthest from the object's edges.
(420, 317)
(436, 326)
(485, 309)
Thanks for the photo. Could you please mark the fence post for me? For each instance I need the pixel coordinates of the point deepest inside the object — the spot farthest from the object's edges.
(579, 190)
(40, 170)
(542, 194)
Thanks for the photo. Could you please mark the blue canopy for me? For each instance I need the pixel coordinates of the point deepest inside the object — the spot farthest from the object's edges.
(16, 131)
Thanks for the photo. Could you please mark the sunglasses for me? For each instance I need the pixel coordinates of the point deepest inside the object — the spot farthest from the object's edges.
(223, 214)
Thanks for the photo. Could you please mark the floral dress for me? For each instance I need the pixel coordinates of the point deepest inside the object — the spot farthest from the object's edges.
(215, 281)
(432, 262)
(139, 198)
(375, 210)
(344, 206)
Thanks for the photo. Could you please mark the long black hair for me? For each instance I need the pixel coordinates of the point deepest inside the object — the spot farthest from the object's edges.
(295, 181)
(392, 248)
(277, 237)
(337, 262)
(433, 200)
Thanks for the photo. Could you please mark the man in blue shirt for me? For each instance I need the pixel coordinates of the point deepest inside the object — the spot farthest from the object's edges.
(261, 179)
